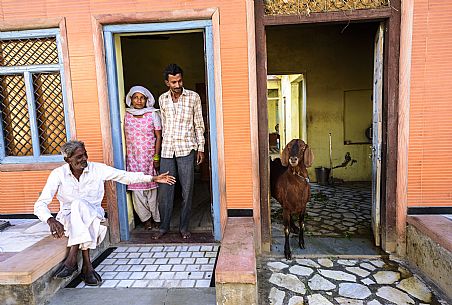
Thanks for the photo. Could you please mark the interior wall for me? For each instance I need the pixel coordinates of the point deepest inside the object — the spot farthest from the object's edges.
(146, 57)
(333, 59)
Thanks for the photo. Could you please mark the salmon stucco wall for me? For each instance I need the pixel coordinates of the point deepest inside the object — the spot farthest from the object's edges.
(19, 197)
(430, 141)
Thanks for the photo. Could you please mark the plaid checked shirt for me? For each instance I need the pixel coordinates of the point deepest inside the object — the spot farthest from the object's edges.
(182, 124)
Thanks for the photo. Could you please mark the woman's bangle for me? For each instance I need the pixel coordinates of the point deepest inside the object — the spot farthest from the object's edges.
(156, 157)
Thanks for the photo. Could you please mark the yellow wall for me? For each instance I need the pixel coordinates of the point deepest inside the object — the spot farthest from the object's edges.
(332, 62)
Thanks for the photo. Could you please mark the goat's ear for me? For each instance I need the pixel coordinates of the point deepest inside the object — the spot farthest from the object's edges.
(308, 157)
(285, 156)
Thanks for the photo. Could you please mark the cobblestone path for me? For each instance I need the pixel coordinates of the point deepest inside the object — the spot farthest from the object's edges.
(339, 211)
(326, 281)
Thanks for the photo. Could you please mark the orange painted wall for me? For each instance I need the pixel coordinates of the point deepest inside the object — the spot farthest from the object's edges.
(430, 146)
(19, 197)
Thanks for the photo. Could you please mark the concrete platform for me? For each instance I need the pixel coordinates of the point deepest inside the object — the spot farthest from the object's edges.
(135, 296)
(33, 256)
(235, 274)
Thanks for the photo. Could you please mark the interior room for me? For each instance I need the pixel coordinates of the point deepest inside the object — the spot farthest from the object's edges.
(320, 90)
(141, 60)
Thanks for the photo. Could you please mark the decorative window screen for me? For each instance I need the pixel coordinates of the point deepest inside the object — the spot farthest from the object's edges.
(33, 116)
(306, 7)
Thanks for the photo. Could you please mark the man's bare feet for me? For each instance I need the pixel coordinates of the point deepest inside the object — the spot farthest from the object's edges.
(158, 235)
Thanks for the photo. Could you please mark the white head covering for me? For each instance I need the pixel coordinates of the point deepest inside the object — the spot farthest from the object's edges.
(149, 103)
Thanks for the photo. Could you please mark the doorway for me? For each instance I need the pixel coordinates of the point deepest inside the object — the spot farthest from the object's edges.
(137, 55)
(337, 96)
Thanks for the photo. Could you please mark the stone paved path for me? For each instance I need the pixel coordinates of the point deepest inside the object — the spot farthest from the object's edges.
(180, 266)
(326, 281)
(334, 211)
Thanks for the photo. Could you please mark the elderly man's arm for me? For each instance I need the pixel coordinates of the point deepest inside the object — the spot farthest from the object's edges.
(41, 205)
(40, 209)
(111, 173)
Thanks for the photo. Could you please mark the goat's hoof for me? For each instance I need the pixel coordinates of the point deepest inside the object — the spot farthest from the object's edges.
(288, 256)
(301, 246)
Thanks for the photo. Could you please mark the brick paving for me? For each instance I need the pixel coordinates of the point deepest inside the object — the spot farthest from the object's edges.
(169, 266)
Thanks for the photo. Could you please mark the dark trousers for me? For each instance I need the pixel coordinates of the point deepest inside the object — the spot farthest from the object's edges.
(183, 169)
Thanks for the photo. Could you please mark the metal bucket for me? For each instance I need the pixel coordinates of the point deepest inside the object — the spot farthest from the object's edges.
(322, 175)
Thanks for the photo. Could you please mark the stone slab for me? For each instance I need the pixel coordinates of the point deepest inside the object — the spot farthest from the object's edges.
(237, 259)
(111, 296)
(434, 226)
(30, 264)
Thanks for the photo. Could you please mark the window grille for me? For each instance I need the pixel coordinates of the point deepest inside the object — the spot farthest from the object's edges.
(33, 116)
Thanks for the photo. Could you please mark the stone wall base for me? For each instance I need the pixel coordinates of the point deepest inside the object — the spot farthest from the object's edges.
(236, 293)
(431, 258)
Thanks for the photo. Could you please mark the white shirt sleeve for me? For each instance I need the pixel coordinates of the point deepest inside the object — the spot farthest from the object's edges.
(124, 177)
(40, 209)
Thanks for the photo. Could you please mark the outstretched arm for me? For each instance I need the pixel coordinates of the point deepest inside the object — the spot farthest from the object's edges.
(111, 173)
(164, 178)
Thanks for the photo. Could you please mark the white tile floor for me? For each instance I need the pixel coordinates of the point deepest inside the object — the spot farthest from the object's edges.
(158, 266)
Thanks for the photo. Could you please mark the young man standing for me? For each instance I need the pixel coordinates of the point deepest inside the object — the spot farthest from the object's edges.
(183, 141)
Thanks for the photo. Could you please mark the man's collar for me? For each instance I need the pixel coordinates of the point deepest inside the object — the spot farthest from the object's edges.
(184, 92)
(67, 169)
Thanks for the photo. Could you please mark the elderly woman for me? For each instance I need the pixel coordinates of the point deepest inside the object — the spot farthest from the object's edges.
(143, 132)
(79, 186)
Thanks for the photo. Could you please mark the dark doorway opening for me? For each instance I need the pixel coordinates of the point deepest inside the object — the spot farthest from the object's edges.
(141, 59)
(337, 64)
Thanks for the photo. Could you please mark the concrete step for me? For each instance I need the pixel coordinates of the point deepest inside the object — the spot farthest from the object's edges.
(135, 296)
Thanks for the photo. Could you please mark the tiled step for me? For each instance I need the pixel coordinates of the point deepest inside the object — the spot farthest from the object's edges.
(135, 296)
(159, 266)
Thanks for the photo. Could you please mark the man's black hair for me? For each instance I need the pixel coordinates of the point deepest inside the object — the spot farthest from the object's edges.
(172, 69)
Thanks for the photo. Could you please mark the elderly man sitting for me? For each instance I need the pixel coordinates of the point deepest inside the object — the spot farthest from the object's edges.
(80, 187)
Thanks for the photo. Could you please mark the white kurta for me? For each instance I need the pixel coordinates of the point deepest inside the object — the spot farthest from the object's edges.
(80, 200)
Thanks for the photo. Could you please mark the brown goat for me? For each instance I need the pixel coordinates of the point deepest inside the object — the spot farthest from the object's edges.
(292, 188)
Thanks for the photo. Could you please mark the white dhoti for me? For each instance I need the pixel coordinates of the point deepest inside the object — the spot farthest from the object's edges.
(82, 224)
